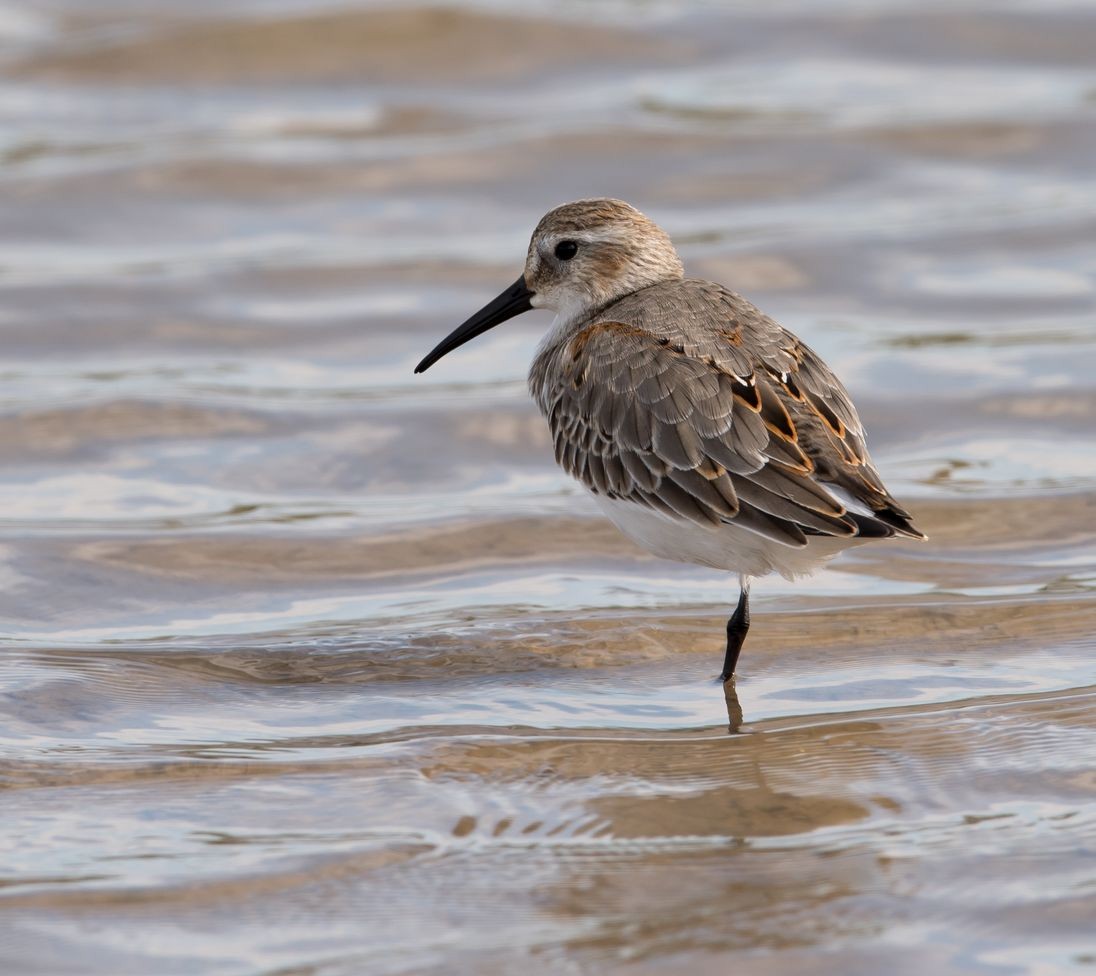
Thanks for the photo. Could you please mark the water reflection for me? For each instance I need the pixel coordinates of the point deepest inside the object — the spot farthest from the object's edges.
(734, 707)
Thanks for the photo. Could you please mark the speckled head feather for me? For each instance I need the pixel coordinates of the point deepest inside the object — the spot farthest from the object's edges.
(587, 254)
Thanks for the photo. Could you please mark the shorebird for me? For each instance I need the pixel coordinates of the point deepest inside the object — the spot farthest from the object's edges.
(707, 432)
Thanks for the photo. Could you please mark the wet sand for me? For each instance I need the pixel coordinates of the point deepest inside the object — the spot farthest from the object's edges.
(311, 666)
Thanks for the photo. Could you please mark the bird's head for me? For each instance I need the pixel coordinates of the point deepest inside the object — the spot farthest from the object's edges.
(582, 256)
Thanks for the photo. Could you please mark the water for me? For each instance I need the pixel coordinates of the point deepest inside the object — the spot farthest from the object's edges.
(311, 666)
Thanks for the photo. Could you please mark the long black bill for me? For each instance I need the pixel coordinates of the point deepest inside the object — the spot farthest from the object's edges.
(511, 302)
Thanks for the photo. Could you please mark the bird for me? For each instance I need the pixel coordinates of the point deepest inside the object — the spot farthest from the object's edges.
(706, 431)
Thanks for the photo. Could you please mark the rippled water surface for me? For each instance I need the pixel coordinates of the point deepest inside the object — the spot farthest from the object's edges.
(311, 666)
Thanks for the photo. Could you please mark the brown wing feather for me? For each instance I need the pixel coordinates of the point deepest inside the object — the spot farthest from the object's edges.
(738, 421)
(633, 418)
(831, 434)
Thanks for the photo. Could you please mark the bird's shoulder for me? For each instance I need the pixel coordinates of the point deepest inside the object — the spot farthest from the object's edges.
(707, 320)
(688, 328)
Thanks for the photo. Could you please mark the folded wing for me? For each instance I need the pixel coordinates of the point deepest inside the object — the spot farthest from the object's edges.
(701, 430)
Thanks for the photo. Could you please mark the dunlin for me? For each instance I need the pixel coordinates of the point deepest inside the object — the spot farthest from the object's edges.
(706, 431)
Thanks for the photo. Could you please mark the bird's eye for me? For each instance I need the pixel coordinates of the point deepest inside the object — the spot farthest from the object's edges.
(565, 250)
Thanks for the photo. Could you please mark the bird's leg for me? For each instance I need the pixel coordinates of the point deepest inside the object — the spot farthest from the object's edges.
(737, 627)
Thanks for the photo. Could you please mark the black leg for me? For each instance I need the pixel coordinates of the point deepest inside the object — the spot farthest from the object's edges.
(737, 627)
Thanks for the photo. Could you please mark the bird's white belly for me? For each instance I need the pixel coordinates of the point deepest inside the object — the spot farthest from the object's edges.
(727, 546)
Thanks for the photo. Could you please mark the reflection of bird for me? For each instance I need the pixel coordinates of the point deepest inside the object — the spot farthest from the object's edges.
(706, 431)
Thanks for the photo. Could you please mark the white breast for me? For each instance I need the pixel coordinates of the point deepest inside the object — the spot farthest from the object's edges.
(728, 546)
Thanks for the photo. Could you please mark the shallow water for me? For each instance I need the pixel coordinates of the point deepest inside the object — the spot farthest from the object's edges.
(311, 666)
